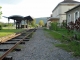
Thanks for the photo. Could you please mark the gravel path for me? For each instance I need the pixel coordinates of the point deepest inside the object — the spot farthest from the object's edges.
(40, 47)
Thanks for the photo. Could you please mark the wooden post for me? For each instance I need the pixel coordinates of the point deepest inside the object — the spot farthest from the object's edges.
(27, 23)
(8, 23)
(16, 25)
(24, 24)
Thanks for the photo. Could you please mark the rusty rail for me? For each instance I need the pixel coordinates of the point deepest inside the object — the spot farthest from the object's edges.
(8, 51)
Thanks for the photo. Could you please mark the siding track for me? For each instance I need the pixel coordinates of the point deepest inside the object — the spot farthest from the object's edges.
(10, 45)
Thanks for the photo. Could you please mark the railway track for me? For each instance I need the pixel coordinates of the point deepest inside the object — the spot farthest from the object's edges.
(10, 45)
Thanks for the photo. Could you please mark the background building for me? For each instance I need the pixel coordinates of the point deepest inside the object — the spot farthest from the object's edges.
(73, 14)
(61, 8)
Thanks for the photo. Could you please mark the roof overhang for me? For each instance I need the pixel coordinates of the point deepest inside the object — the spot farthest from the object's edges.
(73, 8)
(28, 18)
(51, 19)
(16, 17)
(19, 18)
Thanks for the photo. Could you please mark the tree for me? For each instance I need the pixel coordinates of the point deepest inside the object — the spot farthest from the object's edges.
(33, 23)
(0, 25)
(0, 17)
(41, 23)
(0, 12)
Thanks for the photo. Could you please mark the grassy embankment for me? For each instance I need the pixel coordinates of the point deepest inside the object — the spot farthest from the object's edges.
(67, 44)
(5, 32)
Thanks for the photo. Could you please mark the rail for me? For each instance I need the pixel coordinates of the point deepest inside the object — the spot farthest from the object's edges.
(8, 51)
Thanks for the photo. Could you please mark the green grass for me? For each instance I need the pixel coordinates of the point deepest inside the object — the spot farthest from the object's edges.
(70, 46)
(54, 34)
(5, 32)
(8, 27)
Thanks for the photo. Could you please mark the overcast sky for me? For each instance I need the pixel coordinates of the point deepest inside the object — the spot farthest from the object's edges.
(34, 8)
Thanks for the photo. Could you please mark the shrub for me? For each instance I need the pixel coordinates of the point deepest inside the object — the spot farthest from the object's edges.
(64, 23)
(0, 27)
(54, 26)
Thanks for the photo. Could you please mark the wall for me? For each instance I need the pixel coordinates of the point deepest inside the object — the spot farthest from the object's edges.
(72, 14)
(59, 12)
(66, 7)
(56, 12)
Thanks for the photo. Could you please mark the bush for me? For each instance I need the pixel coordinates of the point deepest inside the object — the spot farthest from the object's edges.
(54, 26)
(64, 23)
(0, 27)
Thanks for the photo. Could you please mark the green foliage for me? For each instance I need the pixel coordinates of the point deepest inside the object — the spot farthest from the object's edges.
(0, 27)
(69, 45)
(72, 46)
(54, 26)
(5, 32)
(45, 25)
(54, 34)
(41, 23)
(6, 24)
(0, 12)
(10, 24)
(37, 25)
(33, 23)
(0, 7)
(64, 24)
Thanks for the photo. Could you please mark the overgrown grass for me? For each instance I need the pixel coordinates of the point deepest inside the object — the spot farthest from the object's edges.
(8, 27)
(71, 46)
(54, 34)
(5, 32)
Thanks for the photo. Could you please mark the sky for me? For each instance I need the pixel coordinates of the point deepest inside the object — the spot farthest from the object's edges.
(34, 8)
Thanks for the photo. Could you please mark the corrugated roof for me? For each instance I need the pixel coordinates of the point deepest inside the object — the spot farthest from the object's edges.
(19, 18)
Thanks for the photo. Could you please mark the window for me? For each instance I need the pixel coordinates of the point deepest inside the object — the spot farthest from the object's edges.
(69, 17)
(76, 16)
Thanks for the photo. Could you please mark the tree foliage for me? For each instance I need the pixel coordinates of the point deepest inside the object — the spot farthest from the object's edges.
(0, 27)
(0, 12)
(54, 26)
(41, 23)
(33, 23)
(6, 24)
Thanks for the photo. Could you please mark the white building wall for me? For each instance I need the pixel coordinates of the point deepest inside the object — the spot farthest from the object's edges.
(56, 12)
(59, 12)
(73, 16)
(62, 17)
(66, 7)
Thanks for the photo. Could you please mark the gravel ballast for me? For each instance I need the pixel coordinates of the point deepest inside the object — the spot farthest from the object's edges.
(40, 47)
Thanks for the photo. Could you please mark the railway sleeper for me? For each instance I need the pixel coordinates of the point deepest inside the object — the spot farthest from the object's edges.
(12, 43)
(8, 58)
(3, 50)
(18, 40)
(27, 38)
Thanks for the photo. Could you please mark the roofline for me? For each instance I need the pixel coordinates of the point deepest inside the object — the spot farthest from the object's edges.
(55, 7)
(53, 18)
(61, 4)
(72, 8)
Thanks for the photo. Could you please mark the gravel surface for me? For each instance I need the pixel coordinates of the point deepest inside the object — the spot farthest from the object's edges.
(40, 47)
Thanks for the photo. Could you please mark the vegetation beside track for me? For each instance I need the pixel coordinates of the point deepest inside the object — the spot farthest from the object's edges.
(5, 32)
(72, 46)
